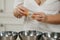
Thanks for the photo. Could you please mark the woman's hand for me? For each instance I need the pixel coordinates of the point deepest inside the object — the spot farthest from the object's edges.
(20, 11)
(39, 16)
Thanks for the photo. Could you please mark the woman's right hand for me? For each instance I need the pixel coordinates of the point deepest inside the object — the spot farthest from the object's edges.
(20, 11)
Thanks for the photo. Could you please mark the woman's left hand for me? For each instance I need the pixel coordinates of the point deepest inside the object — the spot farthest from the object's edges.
(39, 16)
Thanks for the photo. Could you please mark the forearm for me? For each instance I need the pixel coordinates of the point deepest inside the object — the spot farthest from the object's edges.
(53, 19)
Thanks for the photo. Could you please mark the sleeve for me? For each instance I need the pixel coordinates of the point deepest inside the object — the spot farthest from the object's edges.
(17, 2)
(59, 6)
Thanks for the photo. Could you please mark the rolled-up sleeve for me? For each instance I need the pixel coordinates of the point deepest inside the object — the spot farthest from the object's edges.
(17, 2)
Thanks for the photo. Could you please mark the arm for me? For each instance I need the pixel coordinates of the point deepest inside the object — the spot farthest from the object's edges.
(53, 19)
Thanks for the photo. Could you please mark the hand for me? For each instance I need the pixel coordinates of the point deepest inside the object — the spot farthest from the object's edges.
(39, 16)
(20, 11)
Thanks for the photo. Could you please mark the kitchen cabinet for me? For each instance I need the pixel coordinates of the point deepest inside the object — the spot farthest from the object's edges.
(14, 27)
(2, 27)
(1, 12)
(7, 18)
(1, 6)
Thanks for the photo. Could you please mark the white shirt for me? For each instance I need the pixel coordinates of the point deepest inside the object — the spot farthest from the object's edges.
(50, 7)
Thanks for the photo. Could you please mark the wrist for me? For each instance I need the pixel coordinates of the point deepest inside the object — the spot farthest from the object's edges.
(49, 19)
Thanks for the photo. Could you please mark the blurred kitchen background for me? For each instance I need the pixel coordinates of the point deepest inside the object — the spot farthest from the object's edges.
(7, 21)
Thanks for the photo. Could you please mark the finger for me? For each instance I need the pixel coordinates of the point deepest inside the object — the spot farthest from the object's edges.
(38, 19)
(41, 19)
(25, 11)
(38, 16)
(22, 8)
(20, 12)
(35, 14)
(17, 13)
(42, 14)
(19, 16)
